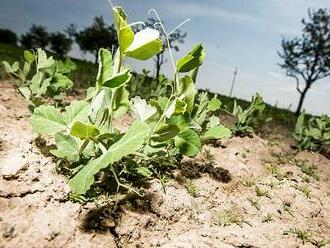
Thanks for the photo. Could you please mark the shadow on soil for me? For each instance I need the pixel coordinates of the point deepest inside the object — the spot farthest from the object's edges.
(104, 219)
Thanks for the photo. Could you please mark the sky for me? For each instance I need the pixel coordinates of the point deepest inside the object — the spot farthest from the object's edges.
(245, 34)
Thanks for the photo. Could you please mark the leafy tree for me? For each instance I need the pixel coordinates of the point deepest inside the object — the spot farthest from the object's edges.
(7, 36)
(307, 58)
(174, 39)
(60, 44)
(98, 35)
(37, 37)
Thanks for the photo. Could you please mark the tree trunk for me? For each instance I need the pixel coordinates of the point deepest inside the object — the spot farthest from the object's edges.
(302, 98)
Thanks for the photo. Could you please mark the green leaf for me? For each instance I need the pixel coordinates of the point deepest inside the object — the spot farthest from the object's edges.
(144, 171)
(213, 122)
(83, 131)
(26, 69)
(128, 144)
(65, 67)
(182, 121)
(61, 82)
(105, 67)
(214, 104)
(43, 61)
(47, 120)
(188, 143)
(119, 79)
(141, 110)
(44, 86)
(15, 66)
(96, 105)
(187, 92)
(165, 133)
(29, 56)
(217, 132)
(76, 111)
(36, 83)
(193, 60)
(124, 31)
(7, 66)
(122, 103)
(25, 91)
(67, 148)
(146, 44)
(180, 106)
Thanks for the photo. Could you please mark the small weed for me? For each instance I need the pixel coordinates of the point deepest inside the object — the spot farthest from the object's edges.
(229, 218)
(268, 218)
(287, 207)
(254, 202)
(319, 243)
(261, 192)
(303, 235)
(208, 157)
(308, 169)
(304, 189)
(275, 171)
(249, 182)
(192, 189)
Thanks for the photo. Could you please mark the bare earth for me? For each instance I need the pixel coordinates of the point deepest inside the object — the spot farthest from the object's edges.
(225, 206)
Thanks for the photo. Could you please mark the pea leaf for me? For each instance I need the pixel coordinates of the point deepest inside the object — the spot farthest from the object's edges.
(105, 67)
(83, 131)
(76, 111)
(214, 104)
(193, 60)
(128, 144)
(36, 82)
(144, 171)
(47, 120)
(61, 82)
(67, 147)
(96, 105)
(213, 122)
(65, 67)
(180, 106)
(187, 92)
(7, 66)
(165, 133)
(141, 110)
(122, 103)
(119, 79)
(124, 31)
(146, 44)
(43, 61)
(188, 143)
(217, 132)
(29, 56)
(182, 121)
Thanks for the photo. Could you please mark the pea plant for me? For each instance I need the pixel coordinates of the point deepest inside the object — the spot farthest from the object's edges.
(163, 129)
(312, 134)
(248, 118)
(49, 80)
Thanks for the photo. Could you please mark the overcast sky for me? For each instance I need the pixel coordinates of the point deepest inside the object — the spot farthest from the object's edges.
(235, 33)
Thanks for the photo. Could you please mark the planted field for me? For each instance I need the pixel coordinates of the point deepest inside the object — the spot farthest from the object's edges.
(137, 162)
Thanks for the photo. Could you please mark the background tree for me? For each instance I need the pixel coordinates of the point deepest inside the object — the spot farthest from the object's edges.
(37, 37)
(175, 38)
(60, 44)
(98, 35)
(7, 36)
(307, 58)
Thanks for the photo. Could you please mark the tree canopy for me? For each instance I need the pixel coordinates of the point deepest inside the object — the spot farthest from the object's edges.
(307, 58)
